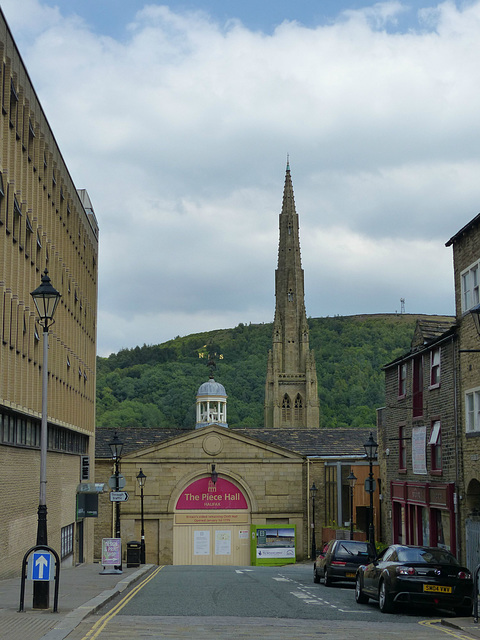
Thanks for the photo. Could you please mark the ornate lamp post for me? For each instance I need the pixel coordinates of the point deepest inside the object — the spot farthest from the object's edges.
(46, 300)
(371, 447)
(141, 479)
(352, 478)
(116, 447)
(313, 493)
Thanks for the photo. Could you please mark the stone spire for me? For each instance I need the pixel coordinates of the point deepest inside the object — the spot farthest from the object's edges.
(291, 395)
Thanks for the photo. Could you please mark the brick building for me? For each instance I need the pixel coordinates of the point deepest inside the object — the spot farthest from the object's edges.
(466, 262)
(44, 223)
(418, 444)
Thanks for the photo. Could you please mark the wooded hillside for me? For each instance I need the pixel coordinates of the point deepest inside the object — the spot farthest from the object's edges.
(155, 386)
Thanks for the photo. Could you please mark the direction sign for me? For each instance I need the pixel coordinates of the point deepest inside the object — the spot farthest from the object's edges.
(118, 496)
(112, 481)
(42, 565)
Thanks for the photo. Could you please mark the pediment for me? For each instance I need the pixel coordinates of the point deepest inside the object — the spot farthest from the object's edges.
(212, 441)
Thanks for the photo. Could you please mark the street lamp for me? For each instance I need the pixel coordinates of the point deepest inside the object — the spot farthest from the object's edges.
(141, 479)
(371, 447)
(313, 492)
(116, 447)
(46, 300)
(352, 478)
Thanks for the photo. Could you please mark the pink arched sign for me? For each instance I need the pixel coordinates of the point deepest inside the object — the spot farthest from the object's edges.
(203, 494)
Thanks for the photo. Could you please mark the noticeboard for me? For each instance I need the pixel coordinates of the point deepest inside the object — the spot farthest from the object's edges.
(272, 544)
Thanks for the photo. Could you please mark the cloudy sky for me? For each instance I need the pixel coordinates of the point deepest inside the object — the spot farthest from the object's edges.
(178, 119)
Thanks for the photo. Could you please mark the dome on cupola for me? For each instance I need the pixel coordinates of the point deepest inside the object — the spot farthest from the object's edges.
(211, 404)
(211, 388)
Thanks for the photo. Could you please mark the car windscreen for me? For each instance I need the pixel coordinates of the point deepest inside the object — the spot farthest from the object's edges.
(352, 549)
(428, 556)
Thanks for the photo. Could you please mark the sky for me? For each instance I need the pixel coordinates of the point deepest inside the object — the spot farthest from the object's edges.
(177, 118)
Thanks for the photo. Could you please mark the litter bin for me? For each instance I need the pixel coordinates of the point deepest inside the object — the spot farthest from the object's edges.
(133, 553)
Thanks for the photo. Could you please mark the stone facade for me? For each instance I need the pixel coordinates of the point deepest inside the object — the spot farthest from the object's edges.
(291, 389)
(466, 262)
(418, 444)
(44, 223)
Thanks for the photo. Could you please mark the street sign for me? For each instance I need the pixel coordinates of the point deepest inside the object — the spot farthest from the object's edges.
(112, 481)
(41, 565)
(370, 485)
(118, 496)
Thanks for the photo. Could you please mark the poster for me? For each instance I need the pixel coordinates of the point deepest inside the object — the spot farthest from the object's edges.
(419, 450)
(111, 552)
(223, 543)
(201, 543)
(276, 543)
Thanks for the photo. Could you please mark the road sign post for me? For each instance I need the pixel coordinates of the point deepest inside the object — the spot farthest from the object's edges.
(40, 564)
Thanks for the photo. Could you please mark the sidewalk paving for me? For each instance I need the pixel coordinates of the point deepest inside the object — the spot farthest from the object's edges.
(82, 591)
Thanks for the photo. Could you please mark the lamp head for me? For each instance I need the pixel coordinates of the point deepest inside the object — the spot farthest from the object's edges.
(46, 299)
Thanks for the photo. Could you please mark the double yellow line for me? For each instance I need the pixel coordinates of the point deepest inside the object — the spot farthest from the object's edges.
(100, 625)
(450, 631)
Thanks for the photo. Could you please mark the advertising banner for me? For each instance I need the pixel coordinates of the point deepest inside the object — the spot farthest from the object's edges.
(204, 494)
(111, 551)
(272, 545)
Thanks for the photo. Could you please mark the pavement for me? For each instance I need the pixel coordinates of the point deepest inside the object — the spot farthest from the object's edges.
(83, 590)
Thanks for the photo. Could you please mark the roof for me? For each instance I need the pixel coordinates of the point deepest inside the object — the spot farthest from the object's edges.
(306, 442)
(315, 442)
(463, 230)
(431, 330)
(211, 388)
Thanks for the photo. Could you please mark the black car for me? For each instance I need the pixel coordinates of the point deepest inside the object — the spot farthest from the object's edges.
(416, 575)
(340, 560)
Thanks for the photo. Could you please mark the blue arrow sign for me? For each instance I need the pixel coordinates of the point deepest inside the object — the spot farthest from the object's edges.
(41, 565)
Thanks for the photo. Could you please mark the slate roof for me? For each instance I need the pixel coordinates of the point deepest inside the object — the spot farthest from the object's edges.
(306, 442)
(433, 329)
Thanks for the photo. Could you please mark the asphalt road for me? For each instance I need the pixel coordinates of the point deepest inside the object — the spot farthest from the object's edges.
(251, 602)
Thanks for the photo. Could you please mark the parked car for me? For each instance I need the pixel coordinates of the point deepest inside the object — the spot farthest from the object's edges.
(340, 559)
(416, 575)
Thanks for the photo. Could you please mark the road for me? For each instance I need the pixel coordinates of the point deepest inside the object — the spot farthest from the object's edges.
(178, 602)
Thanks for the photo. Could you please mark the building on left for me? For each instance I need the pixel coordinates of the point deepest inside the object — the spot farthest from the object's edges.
(45, 223)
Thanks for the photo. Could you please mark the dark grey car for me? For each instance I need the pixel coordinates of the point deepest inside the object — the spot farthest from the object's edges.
(340, 560)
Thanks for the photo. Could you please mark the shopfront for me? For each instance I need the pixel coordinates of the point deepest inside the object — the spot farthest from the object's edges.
(423, 514)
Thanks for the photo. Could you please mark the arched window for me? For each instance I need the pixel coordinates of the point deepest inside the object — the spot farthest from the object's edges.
(298, 408)
(286, 409)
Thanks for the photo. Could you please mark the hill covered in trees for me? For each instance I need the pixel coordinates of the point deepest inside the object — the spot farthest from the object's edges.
(155, 386)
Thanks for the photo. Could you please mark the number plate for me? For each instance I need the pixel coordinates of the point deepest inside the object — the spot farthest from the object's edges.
(437, 588)
(350, 575)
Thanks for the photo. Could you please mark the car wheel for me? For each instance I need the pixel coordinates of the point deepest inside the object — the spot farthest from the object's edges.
(327, 579)
(316, 577)
(463, 612)
(385, 601)
(360, 597)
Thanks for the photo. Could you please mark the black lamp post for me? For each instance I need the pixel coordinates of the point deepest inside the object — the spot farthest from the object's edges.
(116, 447)
(313, 493)
(46, 300)
(141, 479)
(352, 478)
(371, 447)
(214, 475)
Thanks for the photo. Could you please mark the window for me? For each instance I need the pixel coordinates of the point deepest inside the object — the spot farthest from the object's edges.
(418, 387)
(402, 380)
(470, 286)
(298, 407)
(436, 446)
(66, 541)
(472, 410)
(435, 367)
(286, 409)
(402, 449)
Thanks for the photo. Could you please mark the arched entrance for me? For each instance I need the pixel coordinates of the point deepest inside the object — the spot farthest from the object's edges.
(212, 524)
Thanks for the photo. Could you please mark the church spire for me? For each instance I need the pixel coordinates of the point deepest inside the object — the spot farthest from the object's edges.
(291, 397)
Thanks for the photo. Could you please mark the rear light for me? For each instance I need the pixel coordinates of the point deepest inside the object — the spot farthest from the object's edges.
(464, 575)
(338, 563)
(406, 571)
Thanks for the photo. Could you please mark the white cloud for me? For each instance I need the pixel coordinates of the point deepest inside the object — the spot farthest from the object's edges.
(180, 133)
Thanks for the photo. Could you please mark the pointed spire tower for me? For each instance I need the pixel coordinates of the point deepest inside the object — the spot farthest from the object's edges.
(291, 391)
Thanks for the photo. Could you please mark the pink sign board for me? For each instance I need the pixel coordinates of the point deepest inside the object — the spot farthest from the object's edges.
(111, 551)
(203, 494)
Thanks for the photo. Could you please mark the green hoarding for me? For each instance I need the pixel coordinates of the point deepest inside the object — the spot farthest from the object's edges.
(272, 544)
